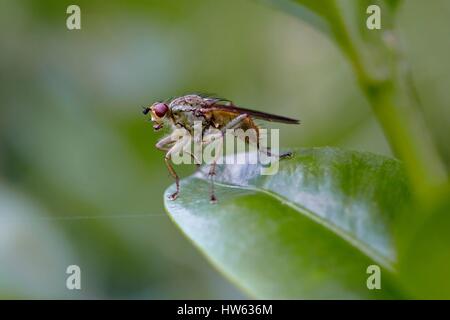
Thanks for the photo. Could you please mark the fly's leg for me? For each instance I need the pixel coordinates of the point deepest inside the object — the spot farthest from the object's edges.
(176, 148)
(195, 160)
(174, 195)
(241, 118)
(212, 169)
(236, 122)
(269, 153)
(166, 143)
(212, 173)
(163, 144)
(286, 155)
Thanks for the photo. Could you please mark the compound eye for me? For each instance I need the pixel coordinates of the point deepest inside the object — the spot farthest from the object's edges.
(160, 109)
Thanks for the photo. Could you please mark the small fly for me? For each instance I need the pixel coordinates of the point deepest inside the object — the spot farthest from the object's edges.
(211, 112)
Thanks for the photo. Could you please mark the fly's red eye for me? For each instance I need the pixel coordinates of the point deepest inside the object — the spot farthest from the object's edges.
(160, 109)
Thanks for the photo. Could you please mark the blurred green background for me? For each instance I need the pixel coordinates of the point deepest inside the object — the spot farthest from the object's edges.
(80, 180)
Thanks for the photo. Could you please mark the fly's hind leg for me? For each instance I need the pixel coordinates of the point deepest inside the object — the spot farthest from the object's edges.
(212, 173)
(248, 139)
(212, 169)
(243, 117)
(164, 144)
(269, 153)
(286, 155)
(167, 158)
(235, 122)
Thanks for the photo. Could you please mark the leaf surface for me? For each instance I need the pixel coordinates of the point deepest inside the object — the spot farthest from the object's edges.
(308, 231)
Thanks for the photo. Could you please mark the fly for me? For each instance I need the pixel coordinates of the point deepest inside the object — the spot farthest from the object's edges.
(212, 113)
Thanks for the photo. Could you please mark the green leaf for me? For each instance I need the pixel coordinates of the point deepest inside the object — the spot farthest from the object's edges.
(313, 14)
(393, 4)
(324, 8)
(388, 9)
(309, 231)
(323, 15)
(424, 250)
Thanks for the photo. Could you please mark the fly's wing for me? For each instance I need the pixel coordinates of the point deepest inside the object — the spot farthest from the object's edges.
(228, 106)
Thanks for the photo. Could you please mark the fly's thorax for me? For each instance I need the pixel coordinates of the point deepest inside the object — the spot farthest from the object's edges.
(186, 117)
(191, 100)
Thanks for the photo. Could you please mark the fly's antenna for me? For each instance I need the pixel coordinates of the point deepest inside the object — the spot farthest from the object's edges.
(145, 110)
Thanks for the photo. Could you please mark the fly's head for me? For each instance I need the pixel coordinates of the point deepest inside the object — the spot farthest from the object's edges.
(159, 112)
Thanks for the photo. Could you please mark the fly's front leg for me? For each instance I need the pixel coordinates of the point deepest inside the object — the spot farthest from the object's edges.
(177, 147)
(212, 173)
(269, 153)
(164, 143)
(174, 195)
(285, 155)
